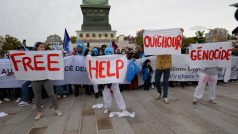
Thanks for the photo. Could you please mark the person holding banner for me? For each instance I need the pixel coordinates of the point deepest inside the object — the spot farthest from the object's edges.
(163, 65)
(48, 86)
(95, 52)
(210, 76)
(113, 90)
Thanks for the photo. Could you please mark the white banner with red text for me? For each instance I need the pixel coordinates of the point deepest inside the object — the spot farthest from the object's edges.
(75, 71)
(210, 55)
(106, 69)
(37, 65)
(159, 42)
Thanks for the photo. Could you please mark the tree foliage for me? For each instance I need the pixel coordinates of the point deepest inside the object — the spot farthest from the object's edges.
(200, 37)
(10, 43)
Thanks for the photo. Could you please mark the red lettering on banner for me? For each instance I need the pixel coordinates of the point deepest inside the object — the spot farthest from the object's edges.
(217, 54)
(52, 62)
(26, 61)
(163, 41)
(93, 68)
(29, 63)
(109, 74)
(118, 67)
(36, 63)
(14, 61)
(102, 69)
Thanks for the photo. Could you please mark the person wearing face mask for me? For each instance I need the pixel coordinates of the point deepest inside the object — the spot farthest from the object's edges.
(112, 90)
(95, 52)
(48, 86)
(123, 51)
(80, 51)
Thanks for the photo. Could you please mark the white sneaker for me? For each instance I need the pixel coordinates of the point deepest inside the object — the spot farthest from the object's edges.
(213, 101)
(18, 100)
(194, 101)
(58, 112)
(106, 111)
(1, 102)
(23, 104)
(166, 100)
(34, 106)
(158, 96)
(152, 86)
(6, 99)
(64, 96)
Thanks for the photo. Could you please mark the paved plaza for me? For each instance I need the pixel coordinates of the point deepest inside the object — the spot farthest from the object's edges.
(152, 116)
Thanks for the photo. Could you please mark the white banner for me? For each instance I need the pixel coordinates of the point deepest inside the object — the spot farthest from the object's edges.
(75, 71)
(159, 42)
(37, 65)
(106, 69)
(210, 55)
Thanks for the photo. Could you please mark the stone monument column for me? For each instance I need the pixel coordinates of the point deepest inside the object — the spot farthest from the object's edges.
(96, 28)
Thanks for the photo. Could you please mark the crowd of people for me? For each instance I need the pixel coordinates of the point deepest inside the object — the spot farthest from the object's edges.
(32, 91)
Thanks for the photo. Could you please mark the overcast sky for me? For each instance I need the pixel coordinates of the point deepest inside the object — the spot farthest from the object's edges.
(34, 20)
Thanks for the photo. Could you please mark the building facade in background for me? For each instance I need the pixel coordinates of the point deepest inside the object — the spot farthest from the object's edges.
(54, 42)
(217, 35)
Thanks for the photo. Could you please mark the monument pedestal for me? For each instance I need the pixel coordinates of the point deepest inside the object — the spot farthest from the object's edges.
(96, 29)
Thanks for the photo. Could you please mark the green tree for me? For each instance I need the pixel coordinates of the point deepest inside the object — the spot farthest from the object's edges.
(200, 37)
(139, 37)
(11, 43)
(73, 39)
(187, 41)
(139, 40)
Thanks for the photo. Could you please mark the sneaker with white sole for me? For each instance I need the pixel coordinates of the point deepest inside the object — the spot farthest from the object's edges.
(38, 116)
(213, 101)
(18, 100)
(58, 112)
(6, 99)
(23, 104)
(1, 102)
(158, 96)
(194, 101)
(106, 111)
(152, 86)
(166, 100)
(34, 106)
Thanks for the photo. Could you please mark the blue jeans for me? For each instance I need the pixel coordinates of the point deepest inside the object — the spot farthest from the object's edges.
(25, 91)
(166, 75)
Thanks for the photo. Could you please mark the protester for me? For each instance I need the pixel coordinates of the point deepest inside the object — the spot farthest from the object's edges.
(163, 65)
(123, 51)
(25, 94)
(95, 52)
(235, 51)
(210, 76)
(48, 86)
(112, 90)
(147, 73)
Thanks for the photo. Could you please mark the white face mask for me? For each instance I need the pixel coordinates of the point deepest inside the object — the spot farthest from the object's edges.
(123, 52)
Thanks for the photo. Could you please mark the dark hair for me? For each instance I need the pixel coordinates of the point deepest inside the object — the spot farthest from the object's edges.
(146, 61)
(38, 44)
(21, 47)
